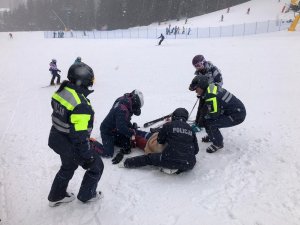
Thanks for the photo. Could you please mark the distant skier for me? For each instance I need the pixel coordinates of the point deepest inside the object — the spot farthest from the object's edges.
(181, 147)
(10, 35)
(78, 60)
(54, 71)
(248, 11)
(222, 109)
(162, 37)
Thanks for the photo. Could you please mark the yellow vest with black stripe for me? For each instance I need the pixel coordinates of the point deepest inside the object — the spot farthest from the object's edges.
(211, 100)
(63, 117)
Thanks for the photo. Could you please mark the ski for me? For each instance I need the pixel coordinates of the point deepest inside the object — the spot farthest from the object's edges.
(150, 123)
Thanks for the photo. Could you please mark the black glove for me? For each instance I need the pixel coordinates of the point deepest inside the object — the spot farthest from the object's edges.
(136, 111)
(118, 158)
(87, 164)
(126, 151)
(135, 126)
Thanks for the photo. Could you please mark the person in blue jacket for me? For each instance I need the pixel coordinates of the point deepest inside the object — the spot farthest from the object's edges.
(222, 109)
(116, 128)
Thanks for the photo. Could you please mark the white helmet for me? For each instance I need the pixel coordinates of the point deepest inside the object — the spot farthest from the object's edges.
(138, 94)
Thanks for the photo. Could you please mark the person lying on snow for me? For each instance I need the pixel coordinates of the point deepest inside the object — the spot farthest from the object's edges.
(178, 154)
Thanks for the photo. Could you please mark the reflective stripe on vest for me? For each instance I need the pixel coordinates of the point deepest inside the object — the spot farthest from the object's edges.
(59, 125)
(227, 97)
(70, 99)
(213, 89)
(80, 121)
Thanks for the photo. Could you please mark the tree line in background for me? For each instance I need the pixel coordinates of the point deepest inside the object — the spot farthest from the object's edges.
(103, 14)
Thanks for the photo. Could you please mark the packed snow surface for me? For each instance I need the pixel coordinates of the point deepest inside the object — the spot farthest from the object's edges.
(255, 179)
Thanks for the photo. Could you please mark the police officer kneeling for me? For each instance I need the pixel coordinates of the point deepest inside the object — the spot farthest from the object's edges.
(179, 154)
(72, 123)
(221, 109)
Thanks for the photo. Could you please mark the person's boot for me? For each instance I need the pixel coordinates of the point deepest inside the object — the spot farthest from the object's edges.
(168, 171)
(213, 148)
(98, 196)
(68, 198)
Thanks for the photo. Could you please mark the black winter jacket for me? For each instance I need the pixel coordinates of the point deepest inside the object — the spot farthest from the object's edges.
(219, 101)
(118, 119)
(212, 72)
(72, 121)
(182, 145)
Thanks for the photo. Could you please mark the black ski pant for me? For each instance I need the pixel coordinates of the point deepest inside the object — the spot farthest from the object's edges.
(69, 163)
(212, 126)
(156, 159)
(54, 75)
(161, 40)
(114, 139)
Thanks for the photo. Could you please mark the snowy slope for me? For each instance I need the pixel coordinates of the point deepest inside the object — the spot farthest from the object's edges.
(260, 10)
(253, 180)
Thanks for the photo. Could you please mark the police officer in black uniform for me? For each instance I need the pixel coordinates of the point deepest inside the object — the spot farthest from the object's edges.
(222, 109)
(72, 123)
(179, 154)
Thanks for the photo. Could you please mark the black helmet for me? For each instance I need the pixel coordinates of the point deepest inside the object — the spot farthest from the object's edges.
(81, 75)
(53, 60)
(137, 101)
(180, 114)
(200, 81)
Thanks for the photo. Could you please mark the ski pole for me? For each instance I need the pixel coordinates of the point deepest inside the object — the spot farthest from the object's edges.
(150, 123)
(193, 108)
